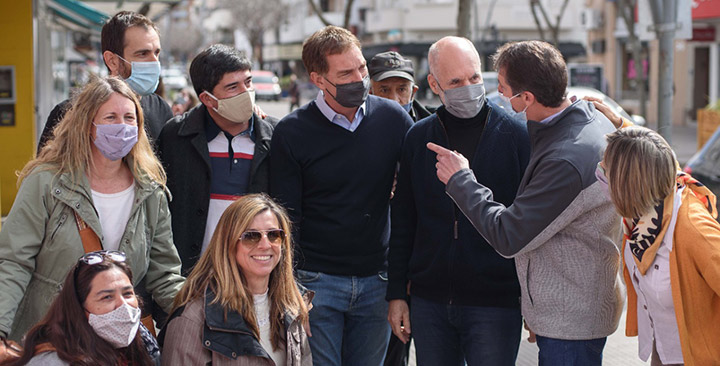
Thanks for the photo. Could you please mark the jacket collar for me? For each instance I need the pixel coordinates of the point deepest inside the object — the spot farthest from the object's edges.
(231, 328)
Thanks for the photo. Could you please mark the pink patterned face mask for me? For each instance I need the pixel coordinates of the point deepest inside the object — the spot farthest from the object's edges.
(117, 327)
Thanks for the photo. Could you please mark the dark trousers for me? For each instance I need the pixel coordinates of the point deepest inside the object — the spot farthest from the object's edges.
(451, 335)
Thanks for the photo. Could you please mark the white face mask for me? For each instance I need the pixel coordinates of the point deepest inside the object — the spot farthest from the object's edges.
(237, 109)
(117, 327)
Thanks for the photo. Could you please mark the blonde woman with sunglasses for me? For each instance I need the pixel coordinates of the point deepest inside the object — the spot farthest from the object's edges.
(240, 304)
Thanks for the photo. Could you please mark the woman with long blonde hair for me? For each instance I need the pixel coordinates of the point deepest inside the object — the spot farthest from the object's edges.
(95, 185)
(240, 304)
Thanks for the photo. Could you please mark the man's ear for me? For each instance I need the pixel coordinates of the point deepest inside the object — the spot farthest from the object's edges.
(207, 100)
(113, 62)
(433, 84)
(318, 80)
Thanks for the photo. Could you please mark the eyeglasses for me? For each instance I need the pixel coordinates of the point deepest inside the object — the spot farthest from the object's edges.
(98, 256)
(252, 237)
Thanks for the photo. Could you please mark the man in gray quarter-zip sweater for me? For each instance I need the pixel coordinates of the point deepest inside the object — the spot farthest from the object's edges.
(561, 229)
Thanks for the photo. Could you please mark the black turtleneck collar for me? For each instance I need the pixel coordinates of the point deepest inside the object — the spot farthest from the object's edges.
(464, 133)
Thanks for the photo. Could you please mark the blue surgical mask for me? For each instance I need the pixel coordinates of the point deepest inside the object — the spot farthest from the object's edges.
(144, 77)
(407, 107)
(506, 102)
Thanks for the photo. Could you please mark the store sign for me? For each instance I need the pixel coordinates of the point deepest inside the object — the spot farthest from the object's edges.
(588, 75)
(703, 34)
(705, 9)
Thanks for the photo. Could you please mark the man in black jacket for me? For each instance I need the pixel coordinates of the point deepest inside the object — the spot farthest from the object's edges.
(393, 77)
(216, 152)
(465, 297)
(131, 46)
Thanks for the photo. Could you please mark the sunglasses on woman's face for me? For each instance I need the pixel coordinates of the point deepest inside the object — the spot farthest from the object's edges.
(97, 257)
(253, 237)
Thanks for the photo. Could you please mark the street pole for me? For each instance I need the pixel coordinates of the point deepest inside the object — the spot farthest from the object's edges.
(665, 22)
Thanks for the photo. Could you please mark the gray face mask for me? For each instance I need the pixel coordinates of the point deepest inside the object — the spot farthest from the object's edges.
(465, 101)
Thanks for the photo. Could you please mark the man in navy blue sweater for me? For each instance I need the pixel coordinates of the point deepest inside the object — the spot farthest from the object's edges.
(332, 165)
(465, 297)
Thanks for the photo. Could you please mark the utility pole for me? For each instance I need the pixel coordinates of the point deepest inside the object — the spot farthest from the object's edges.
(664, 15)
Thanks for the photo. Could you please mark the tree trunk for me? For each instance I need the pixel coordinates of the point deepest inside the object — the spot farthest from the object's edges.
(348, 11)
(319, 12)
(463, 19)
(537, 20)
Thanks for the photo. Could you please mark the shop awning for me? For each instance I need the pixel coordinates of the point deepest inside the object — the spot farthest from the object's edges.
(78, 14)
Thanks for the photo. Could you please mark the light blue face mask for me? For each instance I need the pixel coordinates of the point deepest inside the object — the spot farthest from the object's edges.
(407, 107)
(144, 77)
(506, 105)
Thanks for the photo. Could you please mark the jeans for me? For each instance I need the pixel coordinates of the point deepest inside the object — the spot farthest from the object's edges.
(451, 335)
(348, 319)
(561, 352)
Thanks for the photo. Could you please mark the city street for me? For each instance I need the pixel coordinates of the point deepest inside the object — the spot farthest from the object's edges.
(619, 350)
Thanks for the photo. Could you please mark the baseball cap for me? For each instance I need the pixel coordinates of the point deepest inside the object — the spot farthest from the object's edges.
(390, 64)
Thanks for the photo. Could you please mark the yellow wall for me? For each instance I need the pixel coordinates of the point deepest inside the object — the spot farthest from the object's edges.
(17, 143)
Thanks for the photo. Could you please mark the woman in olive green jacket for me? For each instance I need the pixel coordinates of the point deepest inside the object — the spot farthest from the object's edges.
(98, 174)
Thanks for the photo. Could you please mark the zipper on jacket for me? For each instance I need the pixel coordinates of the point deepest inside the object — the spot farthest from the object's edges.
(455, 224)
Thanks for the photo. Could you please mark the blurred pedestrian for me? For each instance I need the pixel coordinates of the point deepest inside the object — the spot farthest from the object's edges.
(97, 184)
(94, 320)
(332, 165)
(294, 92)
(217, 151)
(561, 229)
(671, 250)
(240, 304)
(185, 100)
(393, 77)
(130, 45)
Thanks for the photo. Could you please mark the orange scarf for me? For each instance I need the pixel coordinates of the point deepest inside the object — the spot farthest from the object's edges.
(644, 234)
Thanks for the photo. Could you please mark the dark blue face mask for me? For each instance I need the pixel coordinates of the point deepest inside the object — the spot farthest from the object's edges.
(351, 95)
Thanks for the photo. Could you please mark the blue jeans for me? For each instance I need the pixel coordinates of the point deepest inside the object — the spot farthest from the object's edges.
(348, 319)
(561, 352)
(451, 335)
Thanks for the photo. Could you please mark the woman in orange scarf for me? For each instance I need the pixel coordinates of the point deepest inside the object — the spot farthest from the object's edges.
(671, 249)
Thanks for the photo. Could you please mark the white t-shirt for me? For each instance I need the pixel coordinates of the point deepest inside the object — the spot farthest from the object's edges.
(114, 212)
(262, 315)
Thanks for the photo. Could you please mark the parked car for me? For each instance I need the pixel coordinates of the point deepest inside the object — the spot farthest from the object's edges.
(266, 85)
(705, 164)
(579, 92)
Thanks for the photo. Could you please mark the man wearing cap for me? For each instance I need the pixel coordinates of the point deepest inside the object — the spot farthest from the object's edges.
(465, 297)
(393, 77)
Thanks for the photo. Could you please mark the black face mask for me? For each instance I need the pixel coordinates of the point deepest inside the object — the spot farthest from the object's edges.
(352, 94)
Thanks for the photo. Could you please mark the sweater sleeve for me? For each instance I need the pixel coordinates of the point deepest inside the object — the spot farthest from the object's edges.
(510, 229)
(286, 183)
(703, 238)
(404, 221)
